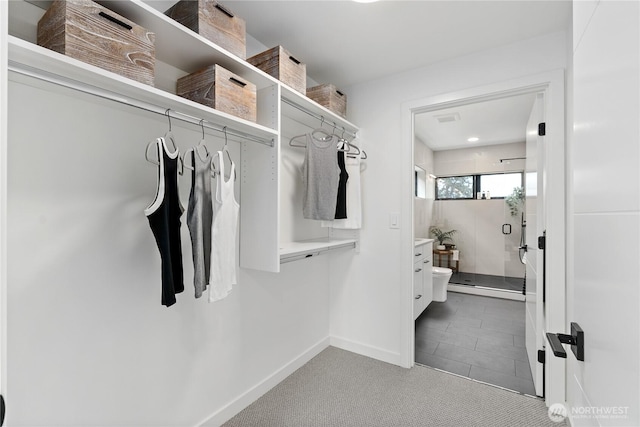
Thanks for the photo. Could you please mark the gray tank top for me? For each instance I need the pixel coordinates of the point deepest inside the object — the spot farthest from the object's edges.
(320, 175)
(199, 218)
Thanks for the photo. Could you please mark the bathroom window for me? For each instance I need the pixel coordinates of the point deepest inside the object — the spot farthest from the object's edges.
(499, 186)
(455, 187)
(466, 187)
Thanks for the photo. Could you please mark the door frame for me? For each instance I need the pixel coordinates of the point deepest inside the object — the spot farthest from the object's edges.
(4, 78)
(552, 83)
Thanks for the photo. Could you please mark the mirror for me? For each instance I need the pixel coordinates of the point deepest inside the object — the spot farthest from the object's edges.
(420, 182)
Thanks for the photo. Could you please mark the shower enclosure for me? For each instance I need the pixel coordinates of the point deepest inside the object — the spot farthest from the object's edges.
(490, 226)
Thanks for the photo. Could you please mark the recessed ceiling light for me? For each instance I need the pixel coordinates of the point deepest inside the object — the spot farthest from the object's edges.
(473, 139)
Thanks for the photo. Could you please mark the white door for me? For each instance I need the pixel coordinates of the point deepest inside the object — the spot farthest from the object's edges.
(4, 28)
(603, 291)
(534, 228)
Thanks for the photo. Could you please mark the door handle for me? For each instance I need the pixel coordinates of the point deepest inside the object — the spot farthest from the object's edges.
(576, 339)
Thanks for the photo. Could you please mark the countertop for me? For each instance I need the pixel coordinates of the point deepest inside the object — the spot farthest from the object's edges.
(419, 241)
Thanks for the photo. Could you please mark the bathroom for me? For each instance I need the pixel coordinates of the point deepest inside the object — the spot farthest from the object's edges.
(470, 163)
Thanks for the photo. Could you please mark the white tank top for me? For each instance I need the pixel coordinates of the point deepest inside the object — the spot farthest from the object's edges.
(224, 232)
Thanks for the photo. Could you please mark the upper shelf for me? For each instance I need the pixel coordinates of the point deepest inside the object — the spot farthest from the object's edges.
(309, 109)
(186, 50)
(29, 59)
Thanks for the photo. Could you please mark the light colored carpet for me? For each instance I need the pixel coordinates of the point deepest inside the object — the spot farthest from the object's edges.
(339, 388)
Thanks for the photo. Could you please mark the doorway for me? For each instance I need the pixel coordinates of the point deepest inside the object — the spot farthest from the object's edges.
(479, 152)
(552, 86)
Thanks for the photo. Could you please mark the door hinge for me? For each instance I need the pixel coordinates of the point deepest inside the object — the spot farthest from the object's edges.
(542, 129)
(541, 356)
(542, 240)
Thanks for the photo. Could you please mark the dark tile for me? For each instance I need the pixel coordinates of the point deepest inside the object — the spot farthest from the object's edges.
(469, 309)
(476, 358)
(506, 313)
(502, 326)
(496, 317)
(509, 351)
(501, 337)
(442, 311)
(507, 381)
(505, 304)
(465, 341)
(425, 345)
(466, 321)
(433, 323)
(523, 370)
(443, 363)
(519, 341)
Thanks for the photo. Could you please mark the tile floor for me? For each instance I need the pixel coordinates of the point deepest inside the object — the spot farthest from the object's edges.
(488, 281)
(477, 337)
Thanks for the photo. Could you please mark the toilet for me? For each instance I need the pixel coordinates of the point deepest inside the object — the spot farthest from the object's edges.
(441, 278)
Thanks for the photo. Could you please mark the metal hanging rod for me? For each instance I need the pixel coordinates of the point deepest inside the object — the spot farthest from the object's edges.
(513, 158)
(319, 117)
(111, 96)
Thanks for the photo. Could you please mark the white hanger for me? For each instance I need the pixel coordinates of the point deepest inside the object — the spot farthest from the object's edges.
(214, 171)
(167, 136)
(196, 149)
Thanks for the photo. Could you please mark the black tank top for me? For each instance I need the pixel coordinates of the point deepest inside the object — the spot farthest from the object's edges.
(164, 218)
(341, 205)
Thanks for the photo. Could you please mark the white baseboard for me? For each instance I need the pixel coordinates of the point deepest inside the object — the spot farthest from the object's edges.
(487, 292)
(366, 350)
(232, 408)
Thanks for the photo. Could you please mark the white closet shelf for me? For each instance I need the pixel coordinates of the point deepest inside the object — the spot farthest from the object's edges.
(177, 45)
(27, 58)
(293, 251)
(311, 108)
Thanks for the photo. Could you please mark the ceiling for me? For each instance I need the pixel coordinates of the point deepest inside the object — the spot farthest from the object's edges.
(498, 121)
(346, 43)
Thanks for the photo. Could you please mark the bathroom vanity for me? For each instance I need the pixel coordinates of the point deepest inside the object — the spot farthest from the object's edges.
(422, 278)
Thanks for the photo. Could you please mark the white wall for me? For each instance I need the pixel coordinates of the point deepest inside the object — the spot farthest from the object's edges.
(603, 285)
(483, 247)
(484, 159)
(368, 310)
(88, 341)
(423, 208)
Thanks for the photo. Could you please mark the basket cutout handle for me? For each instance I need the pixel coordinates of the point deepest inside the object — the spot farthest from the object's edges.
(115, 20)
(224, 10)
(238, 82)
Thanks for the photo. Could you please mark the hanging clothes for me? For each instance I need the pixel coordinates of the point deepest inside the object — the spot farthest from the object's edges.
(320, 175)
(341, 201)
(223, 235)
(199, 220)
(164, 219)
(354, 197)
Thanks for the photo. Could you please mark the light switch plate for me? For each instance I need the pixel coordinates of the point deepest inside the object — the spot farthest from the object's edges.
(394, 220)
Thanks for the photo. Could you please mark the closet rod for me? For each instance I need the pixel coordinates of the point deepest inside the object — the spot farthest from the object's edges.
(321, 118)
(111, 96)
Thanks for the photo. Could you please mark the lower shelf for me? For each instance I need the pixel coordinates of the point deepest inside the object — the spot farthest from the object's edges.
(294, 251)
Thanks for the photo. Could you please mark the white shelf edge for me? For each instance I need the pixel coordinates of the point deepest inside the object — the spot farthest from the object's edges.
(293, 251)
(313, 107)
(39, 58)
(172, 38)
